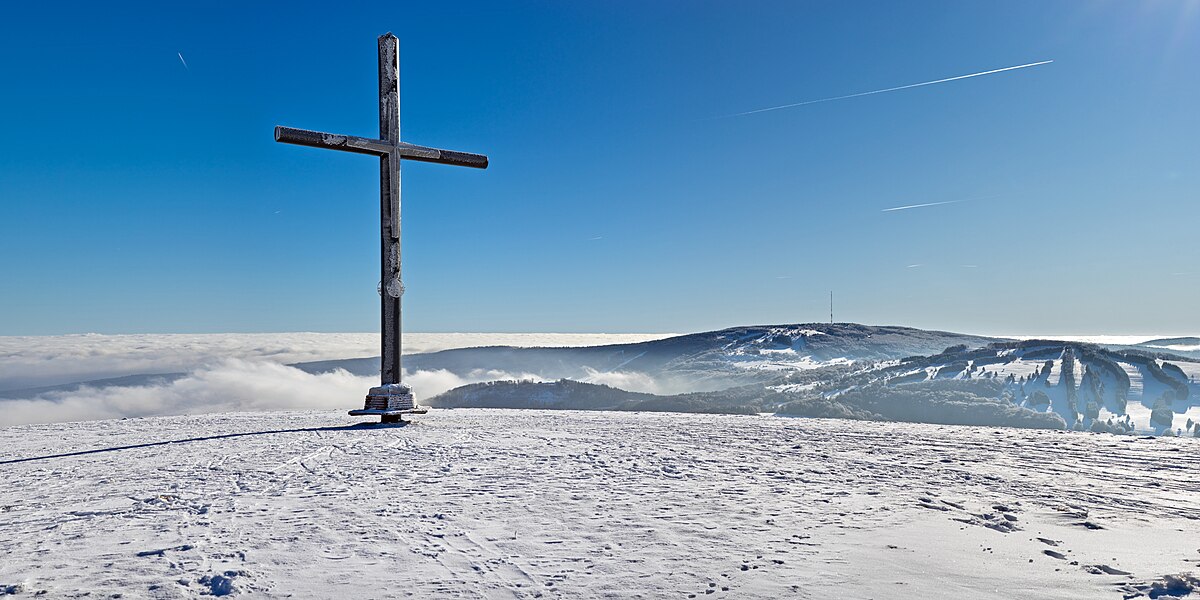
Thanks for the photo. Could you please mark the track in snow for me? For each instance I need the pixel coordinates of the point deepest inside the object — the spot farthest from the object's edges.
(500, 503)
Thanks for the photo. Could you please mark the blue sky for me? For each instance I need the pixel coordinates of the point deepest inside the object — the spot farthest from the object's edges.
(137, 195)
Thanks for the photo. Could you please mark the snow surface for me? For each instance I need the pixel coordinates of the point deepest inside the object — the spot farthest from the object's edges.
(475, 503)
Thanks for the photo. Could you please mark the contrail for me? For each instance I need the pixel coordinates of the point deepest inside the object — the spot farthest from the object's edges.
(921, 205)
(891, 89)
(180, 54)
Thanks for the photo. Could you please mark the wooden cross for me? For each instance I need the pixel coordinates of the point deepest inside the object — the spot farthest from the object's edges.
(392, 395)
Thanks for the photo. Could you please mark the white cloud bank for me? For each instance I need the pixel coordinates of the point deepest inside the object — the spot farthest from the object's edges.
(229, 386)
(232, 385)
(35, 361)
(631, 381)
(235, 372)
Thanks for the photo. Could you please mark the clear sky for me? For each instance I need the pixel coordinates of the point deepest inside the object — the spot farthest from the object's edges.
(140, 195)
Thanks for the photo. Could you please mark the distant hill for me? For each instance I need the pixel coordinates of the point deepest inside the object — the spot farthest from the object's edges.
(706, 361)
(1177, 341)
(574, 395)
(1088, 386)
(1184, 346)
(1034, 383)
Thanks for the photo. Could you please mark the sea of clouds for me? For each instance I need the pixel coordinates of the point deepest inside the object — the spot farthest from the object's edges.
(230, 372)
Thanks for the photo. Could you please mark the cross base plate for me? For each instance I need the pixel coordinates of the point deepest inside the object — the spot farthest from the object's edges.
(389, 416)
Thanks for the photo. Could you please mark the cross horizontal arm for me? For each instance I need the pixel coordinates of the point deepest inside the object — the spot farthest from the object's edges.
(445, 157)
(361, 145)
(316, 139)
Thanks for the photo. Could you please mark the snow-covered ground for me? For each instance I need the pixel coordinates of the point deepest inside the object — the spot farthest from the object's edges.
(498, 503)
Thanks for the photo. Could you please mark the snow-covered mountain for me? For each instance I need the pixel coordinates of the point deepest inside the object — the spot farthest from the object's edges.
(706, 361)
(1186, 346)
(1032, 383)
(1087, 386)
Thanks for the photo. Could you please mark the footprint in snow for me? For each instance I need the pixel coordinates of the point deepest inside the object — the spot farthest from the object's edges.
(163, 551)
(1103, 570)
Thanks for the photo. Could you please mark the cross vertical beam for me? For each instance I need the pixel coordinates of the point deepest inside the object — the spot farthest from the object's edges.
(389, 209)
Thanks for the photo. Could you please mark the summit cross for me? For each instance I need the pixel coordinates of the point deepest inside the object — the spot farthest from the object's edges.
(392, 398)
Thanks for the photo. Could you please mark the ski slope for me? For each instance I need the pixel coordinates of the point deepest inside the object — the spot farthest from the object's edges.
(474, 503)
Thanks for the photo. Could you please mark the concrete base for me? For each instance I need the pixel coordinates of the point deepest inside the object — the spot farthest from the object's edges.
(390, 401)
(391, 396)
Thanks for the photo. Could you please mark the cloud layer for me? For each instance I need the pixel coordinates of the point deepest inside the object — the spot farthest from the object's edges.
(234, 372)
(229, 386)
(35, 361)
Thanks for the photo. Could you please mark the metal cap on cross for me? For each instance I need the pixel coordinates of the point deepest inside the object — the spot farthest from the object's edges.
(392, 398)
